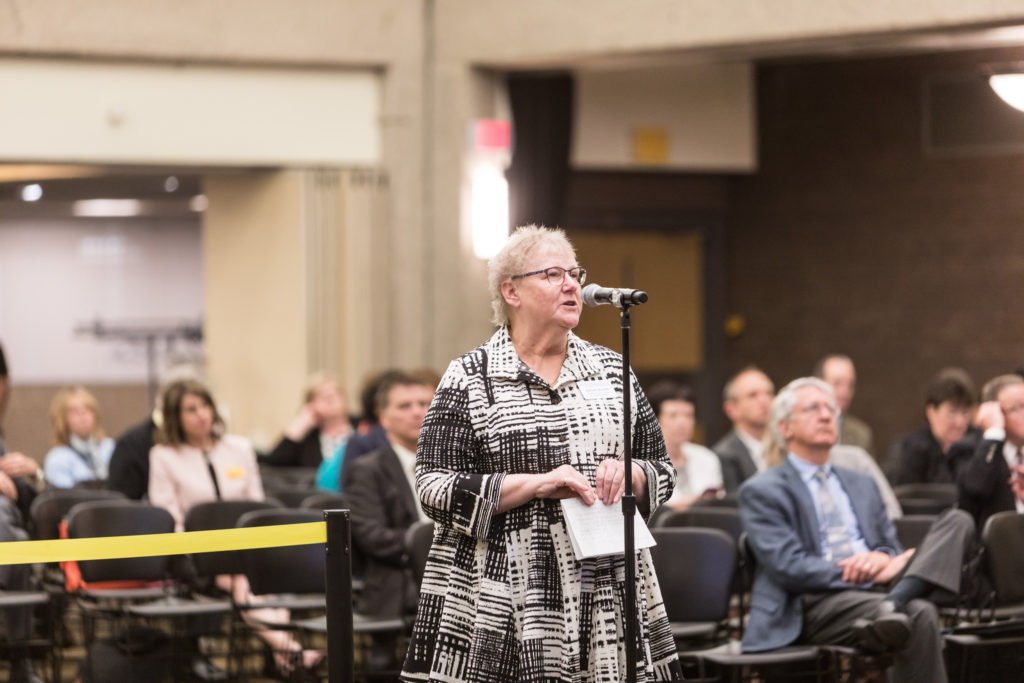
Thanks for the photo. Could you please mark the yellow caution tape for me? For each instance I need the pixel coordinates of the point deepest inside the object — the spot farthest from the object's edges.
(150, 545)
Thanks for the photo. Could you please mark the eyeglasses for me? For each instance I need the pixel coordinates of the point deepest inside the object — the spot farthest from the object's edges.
(817, 407)
(555, 275)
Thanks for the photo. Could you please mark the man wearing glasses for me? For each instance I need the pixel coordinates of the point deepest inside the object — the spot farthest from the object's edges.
(824, 546)
(993, 479)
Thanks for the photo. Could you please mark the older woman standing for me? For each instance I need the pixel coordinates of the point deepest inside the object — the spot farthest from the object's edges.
(517, 424)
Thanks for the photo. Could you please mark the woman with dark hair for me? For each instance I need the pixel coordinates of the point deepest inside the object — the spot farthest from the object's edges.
(194, 461)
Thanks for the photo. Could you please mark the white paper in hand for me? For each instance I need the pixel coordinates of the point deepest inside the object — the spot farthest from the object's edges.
(597, 529)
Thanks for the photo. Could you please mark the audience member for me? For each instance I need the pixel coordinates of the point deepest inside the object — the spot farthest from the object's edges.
(993, 479)
(371, 436)
(838, 372)
(319, 430)
(747, 402)
(129, 465)
(698, 470)
(934, 453)
(194, 461)
(81, 451)
(822, 540)
(841, 455)
(128, 471)
(16, 494)
(381, 492)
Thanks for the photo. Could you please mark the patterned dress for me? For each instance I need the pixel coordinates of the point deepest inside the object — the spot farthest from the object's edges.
(503, 597)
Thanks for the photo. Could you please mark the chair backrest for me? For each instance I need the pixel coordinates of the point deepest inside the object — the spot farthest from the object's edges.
(274, 477)
(289, 569)
(418, 539)
(290, 495)
(722, 518)
(695, 569)
(924, 506)
(325, 500)
(911, 529)
(120, 518)
(946, 493)
(1003, 537)
(730, 500)
(221, 514)
(52, 506)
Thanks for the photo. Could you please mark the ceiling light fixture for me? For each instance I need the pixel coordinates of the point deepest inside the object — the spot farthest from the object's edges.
(106, 208)
(1009, 87)
(32, 193)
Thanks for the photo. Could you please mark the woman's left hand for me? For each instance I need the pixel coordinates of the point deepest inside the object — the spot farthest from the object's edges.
(610, 481)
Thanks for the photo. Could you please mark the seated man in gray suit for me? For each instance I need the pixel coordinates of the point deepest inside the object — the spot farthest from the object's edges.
(747, 400)
(822, 542)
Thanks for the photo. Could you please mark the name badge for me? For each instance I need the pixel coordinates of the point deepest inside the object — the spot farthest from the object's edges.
(596, 388)
(235, 472)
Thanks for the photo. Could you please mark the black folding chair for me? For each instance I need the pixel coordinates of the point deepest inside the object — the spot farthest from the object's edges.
(999, 634)
(723, 518)
(911, 529)
(695, 568)
(156, 597)
(418, 540)
(222, 514)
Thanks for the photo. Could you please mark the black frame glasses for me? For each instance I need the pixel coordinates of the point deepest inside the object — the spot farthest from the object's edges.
(555, 275)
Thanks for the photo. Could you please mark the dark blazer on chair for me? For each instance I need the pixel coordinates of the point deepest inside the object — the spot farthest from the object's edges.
(383, 509)
(983, 483)
(737, 465)
(782, 530)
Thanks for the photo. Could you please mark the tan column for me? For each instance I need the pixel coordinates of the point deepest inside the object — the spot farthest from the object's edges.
(254, 265)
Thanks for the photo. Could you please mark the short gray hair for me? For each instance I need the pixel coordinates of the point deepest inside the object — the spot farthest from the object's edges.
(990, 392)
(512, 258)
(782, 409)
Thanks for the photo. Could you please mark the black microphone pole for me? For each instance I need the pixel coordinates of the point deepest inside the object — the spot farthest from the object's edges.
(628, 503)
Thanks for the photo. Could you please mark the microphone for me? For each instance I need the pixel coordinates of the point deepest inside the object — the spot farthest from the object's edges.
(596, 295)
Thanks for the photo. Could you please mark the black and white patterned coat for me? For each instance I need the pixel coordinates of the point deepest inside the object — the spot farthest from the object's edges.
(503, 597)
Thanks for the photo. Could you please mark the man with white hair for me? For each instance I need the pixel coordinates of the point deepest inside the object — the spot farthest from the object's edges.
(822, 542)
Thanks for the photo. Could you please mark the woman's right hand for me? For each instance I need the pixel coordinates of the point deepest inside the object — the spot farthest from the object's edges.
(565, 482)
(302, 423)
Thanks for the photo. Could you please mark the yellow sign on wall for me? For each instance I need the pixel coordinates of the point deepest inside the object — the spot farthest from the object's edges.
(650, 145)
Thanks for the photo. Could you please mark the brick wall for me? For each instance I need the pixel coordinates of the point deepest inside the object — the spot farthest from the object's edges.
(851, 239)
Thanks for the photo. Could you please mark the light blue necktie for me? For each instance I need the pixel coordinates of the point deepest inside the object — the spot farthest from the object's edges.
(838, 541)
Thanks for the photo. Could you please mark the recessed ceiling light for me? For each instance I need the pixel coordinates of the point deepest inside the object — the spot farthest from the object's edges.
(198, 203)
(32, 193)
(171, 184)
(106, 208)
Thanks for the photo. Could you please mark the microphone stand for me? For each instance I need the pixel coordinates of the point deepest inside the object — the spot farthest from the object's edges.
(628, 502)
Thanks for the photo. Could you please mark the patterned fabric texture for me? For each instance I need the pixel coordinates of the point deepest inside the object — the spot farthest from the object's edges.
(503, 597)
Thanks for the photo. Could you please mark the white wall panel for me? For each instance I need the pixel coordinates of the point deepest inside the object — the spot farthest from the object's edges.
(83, 111)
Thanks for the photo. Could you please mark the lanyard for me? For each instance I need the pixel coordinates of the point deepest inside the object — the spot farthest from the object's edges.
(213, 474)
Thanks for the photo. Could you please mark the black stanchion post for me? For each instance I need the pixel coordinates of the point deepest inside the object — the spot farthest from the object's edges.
(628, 505)
(596, 295)
(338, 579)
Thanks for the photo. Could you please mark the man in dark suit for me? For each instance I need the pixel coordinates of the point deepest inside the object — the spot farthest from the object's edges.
(747, 400)
(822, 541)
(381, 494)
(993, 479)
